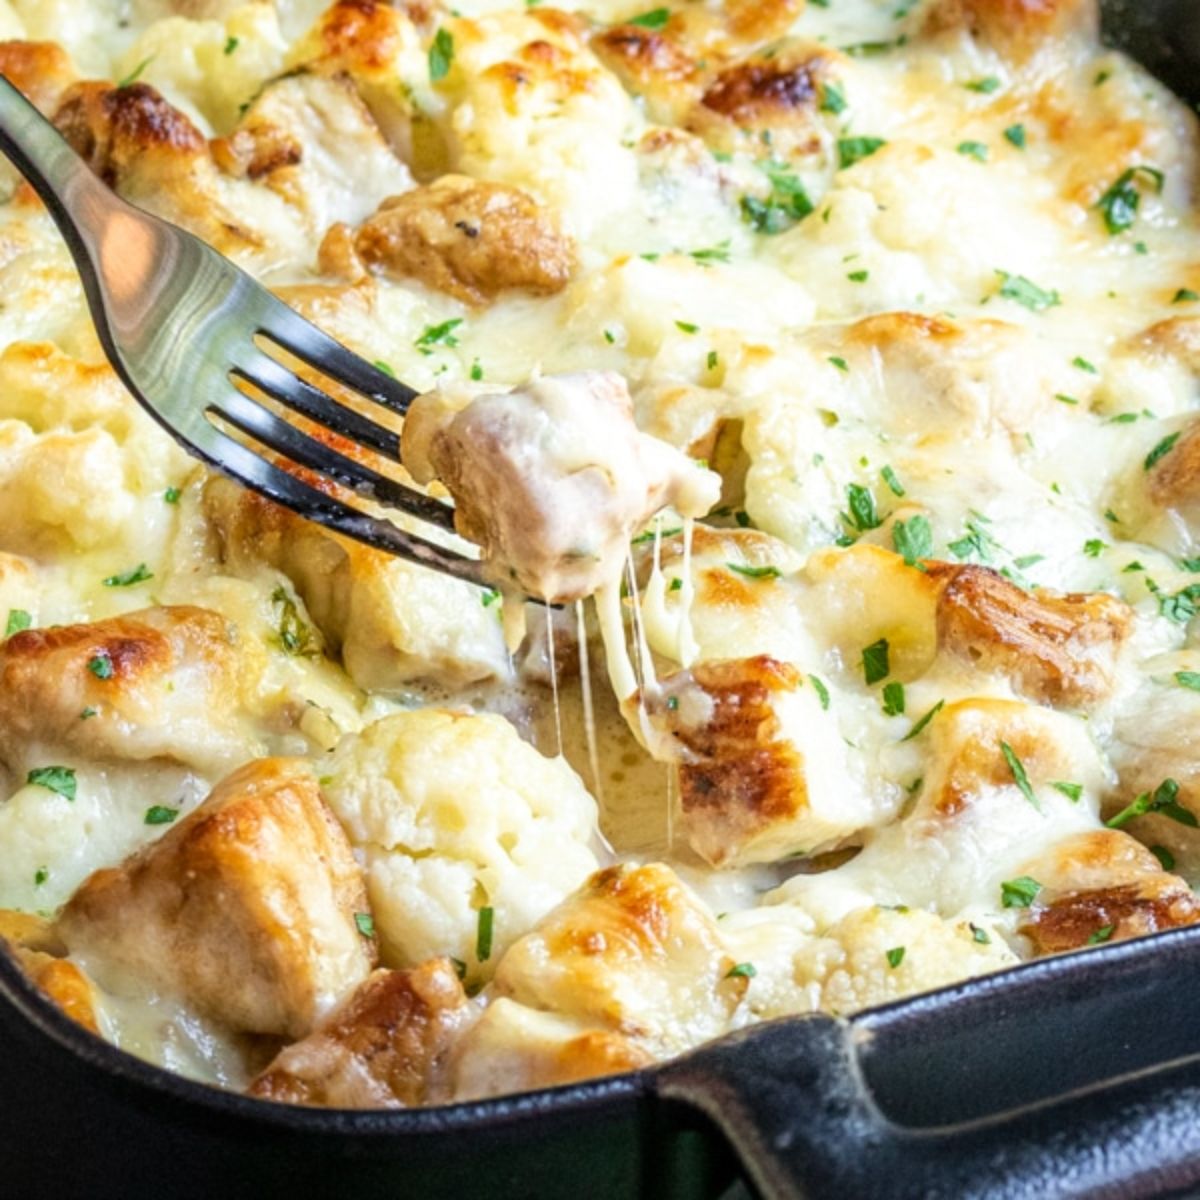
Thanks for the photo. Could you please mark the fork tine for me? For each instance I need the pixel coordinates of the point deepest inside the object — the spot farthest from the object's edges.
(253, 471)
(288, 329)
(298, 394)
(275, 433)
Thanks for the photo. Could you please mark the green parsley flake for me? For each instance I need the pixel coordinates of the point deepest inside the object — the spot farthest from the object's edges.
(1094, 547)
(1185, 296)
(975, 150)
(743, 970)
(713, 254)
(893, 699)
(101, 666)
(386, 368)
(441, 55)
(980, 936)
(875, 662)
(656, 18)
(1019, 774)
(1072, 791)
(1020, 892)
(787, 203)
(858, 276)
(365, 924)
(712, 360)
(1027, 293)
(231, 44)
(138, 574)
(895, 956)
(476, 371)
(1161, 450)
(439, 335)
(754, 572)
(821, 690)
(60, 780)
(1063, 398)
(861, 503)
(913, 539)
(854, 149)
(985, 86)
(136, 73)
(833, 99)
(1084, 365)
(483, 934)
(839, 362)
(1164, 800)
(88, 713)
(171, 495)
(294, 637)
(40, 876)
(889, 477)
(1119, 205)
(687, 327)
(18, 620)
(1016, 135)
(1188, 679)
(1101, 935)
(919, 727)
(1164, 856)
(488, 597)
(159, 814)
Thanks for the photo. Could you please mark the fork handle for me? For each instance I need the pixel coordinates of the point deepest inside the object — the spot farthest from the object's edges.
(87, 213)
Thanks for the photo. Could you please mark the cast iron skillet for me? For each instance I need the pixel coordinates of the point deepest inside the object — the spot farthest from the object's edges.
(1076, 1076)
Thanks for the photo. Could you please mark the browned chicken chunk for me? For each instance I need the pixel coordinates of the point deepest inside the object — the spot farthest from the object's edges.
(246, 908)
(160, 683)
(383, 1048)
(1056, 648)
(468, 238)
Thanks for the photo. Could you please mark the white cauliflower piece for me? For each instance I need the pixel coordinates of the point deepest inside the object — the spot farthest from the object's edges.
(452, 814)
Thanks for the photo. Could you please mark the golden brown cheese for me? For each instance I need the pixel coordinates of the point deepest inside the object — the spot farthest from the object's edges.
(384, 1047)
(246, 908)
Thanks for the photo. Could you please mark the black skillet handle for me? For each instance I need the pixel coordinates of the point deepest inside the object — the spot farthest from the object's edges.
(1072, 1077)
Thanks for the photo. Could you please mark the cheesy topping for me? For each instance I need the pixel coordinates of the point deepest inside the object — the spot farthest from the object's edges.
(919, 282)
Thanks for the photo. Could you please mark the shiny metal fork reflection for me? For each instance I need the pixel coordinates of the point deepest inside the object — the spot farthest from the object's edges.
(178, 322)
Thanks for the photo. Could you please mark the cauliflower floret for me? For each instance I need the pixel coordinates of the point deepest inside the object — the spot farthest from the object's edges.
(874, 955)
(454, 816)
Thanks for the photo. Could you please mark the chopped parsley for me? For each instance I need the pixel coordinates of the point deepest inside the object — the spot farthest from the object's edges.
(40, 876)
(861, 504)
(136, 73)
(980, 936)
(754, 572)
(1019, 774)
(365, 924)
(1026, 293)
(895, 956)
(1020, 892)
(743, 970)
(1185, 295)
(893, 699)
(1165, 857)
(441, 55)
(293, 635)
(88, 713)
(386, 368)
(833, 99)
(438, 335)
(894, 485)
(985, 86)
(919, 727)
(1161, 450)
(138, 574)
(821, 690)
(171, 495)
(1094, 547)
(839, 362)
(656, 18)
(976, 543)
(785, 205)
(913, 539)
(875, 662)
(1101, 935)
(1072, 791)
(1188, 679)
(54, 779)
(712, 254)
(1084, 365)
(858, 276)
(1163, 800)
(488, 597)
(476, 371)
(160, 814)
(854, 149)
(687, 327)
(18, 620)
(483, 933)
(712, 360)
(231, 44)
(1119, 205)
(1016, 135)
(975, 150)
(101, 666)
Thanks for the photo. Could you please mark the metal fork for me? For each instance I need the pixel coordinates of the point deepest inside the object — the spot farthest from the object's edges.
(178, 320)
